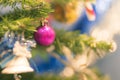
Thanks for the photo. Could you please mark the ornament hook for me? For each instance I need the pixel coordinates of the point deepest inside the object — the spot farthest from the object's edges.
(17, 77)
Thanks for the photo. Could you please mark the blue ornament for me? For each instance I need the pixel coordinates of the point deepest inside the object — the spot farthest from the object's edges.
(6, 46)
(49, 65)
(84, 25)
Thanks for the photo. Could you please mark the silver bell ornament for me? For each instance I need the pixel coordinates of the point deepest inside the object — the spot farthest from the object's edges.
(15, 54)
(19, 64)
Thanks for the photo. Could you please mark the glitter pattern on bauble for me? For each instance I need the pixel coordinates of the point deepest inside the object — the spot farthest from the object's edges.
(45, 35)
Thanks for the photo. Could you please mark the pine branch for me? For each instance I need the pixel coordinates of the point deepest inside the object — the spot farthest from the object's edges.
(78, 43)
(25, 18)
(22, 2)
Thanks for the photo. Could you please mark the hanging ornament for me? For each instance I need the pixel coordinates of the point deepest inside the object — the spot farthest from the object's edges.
(6, 46)
(15, 54)
(19, 64)
(90, 11)
(94, 11)
(45, 35)
(67, 11)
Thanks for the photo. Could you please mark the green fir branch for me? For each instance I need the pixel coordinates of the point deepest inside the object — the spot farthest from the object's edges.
(25, 18)
(78, 43)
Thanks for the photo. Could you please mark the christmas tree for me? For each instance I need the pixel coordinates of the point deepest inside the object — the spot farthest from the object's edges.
(27, 24)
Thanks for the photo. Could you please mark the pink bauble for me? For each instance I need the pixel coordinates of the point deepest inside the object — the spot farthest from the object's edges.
(45, 35)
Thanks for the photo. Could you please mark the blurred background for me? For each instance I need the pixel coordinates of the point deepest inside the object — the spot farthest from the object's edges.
(110, 64)
(110, 23)
(107, 25)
